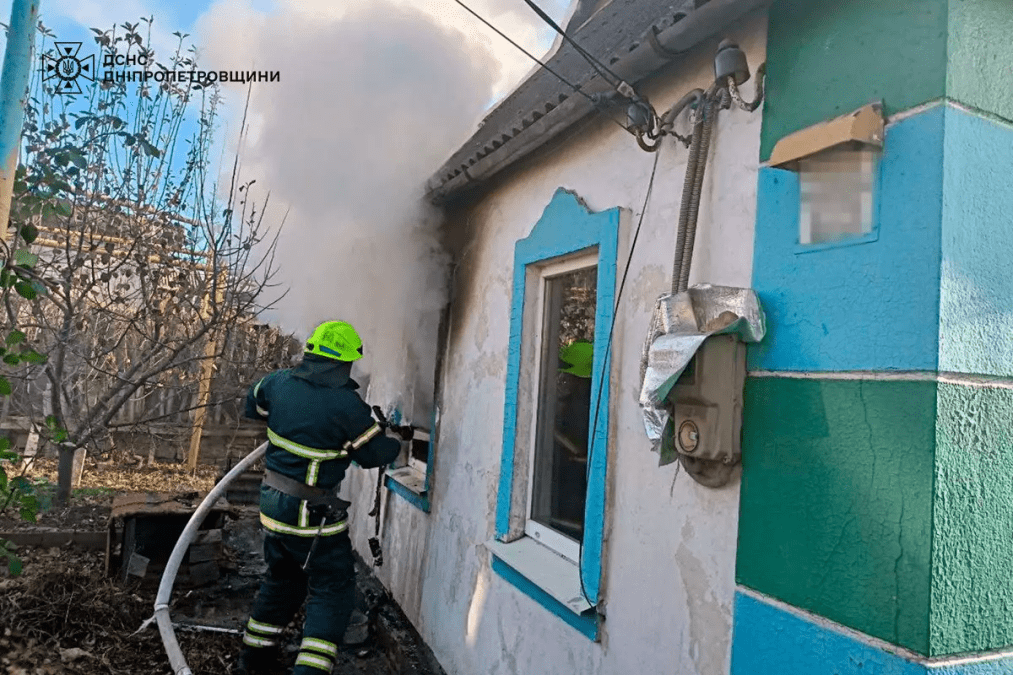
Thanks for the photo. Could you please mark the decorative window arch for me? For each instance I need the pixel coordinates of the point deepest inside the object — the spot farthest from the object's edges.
(566, 230)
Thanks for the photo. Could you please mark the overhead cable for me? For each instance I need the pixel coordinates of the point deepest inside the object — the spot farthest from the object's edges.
(608, 349)
(576, 88)
(598, 66)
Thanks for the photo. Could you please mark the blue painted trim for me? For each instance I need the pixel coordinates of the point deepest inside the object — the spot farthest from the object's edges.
(567, 226)
(17, 70)
(586, 623)
(770, 640)
(416, 500)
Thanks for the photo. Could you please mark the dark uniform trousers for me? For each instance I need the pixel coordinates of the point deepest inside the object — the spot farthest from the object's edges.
(327, 586)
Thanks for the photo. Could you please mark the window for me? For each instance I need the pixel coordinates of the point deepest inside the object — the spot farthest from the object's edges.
(837, 190)
(410, 476)
(550, 506)
(410, 473)
(418, 451)
(558, 470)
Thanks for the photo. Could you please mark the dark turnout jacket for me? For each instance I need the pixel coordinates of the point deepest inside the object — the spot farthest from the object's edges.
(317, 425)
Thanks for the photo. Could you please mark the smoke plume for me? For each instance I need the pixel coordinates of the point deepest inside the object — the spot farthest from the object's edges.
(372, 100)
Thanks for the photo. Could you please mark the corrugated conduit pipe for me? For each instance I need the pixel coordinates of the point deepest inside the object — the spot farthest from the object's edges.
(698, 98)
(706, 114)
(176, 659)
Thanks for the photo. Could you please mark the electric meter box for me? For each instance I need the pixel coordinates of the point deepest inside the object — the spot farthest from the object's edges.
(706, 405)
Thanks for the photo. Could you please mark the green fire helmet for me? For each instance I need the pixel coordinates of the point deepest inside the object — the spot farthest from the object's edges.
(577, 357)
(335, 340)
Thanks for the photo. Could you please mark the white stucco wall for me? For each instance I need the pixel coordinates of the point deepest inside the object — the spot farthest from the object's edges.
(670, 544)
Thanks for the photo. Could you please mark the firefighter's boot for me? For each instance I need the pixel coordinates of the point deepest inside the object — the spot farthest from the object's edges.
(258, 661)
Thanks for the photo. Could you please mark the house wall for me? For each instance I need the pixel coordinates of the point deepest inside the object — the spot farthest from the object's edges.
(670, 543)
(875, 507)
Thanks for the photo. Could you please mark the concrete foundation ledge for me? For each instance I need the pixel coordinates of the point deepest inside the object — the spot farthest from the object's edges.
(773, 637)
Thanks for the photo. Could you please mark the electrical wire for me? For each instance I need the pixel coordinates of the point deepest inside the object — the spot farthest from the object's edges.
(618, 83)
(595, 63)
(531, 56)
(608, 349)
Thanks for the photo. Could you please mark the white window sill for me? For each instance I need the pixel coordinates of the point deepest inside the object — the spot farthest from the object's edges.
(411, 478)
(545, 568)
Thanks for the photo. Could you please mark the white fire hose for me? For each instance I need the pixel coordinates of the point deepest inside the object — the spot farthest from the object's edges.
(176, 659)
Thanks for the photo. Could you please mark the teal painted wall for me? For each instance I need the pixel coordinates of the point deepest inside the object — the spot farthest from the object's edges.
(976, 288)
(887, 506)
(981, 55)
(825, 59)
(972, 539)
(836, 501)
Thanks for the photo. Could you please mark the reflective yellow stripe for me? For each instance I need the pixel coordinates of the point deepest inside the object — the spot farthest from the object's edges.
(265, 628)
(318, 645)
(304, 514)
(302, 450)
(256, 388)
(282, 528)
(314, 661)
(312, 474)
(262, 411)
(254, 641)
(366, 436)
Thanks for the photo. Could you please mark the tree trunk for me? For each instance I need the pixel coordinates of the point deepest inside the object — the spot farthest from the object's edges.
(65, 477)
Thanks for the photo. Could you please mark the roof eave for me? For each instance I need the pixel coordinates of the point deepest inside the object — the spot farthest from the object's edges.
(465, 172)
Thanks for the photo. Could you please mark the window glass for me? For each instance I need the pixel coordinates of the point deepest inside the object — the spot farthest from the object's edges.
(559, 475)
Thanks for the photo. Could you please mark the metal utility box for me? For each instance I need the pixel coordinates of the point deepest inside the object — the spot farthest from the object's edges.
(705, 428)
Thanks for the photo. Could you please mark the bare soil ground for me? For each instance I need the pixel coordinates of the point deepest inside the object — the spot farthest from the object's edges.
(63, 616)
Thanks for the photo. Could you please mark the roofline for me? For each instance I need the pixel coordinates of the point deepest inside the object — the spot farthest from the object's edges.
(462, 174)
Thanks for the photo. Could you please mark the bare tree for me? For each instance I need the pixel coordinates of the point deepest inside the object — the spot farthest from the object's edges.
(145, 260)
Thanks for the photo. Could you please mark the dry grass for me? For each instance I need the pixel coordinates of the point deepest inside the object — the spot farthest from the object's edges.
(118, 478)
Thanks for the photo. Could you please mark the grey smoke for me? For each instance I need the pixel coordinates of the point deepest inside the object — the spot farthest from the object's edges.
(369, 105)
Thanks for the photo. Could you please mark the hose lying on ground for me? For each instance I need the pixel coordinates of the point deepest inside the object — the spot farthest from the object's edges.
(176, 659)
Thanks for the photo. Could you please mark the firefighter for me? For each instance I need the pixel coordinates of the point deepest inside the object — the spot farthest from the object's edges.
(573, 419)
(316, 425)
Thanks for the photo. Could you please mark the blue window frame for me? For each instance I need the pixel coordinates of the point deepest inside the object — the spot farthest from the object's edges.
(567, 227)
